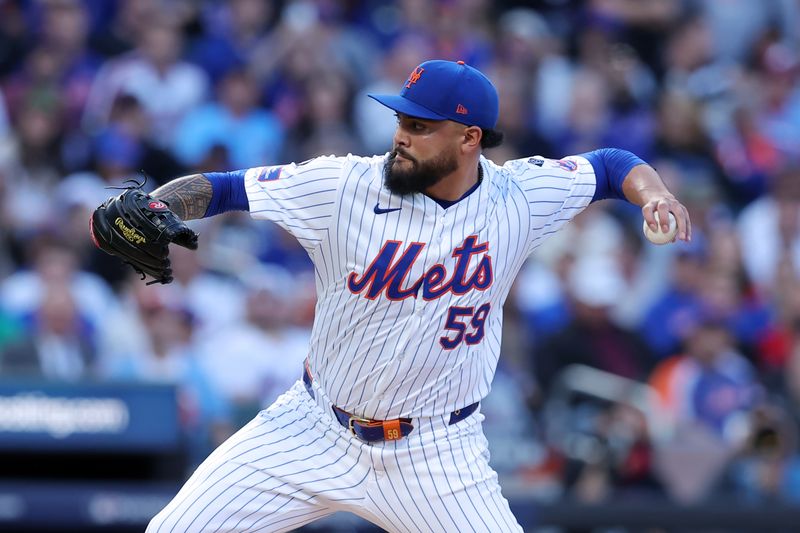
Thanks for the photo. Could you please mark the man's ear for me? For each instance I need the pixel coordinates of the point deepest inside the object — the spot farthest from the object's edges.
(472, 137)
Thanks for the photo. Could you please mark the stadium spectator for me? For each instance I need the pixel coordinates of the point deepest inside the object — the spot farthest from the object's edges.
(250, 134)
(169, 355)
(233, 31)
(664, 324)
(703, 399)
(264, 341)
(592, 338)
(769, 226)
(49, 262)
(155, 73)
(57, 343)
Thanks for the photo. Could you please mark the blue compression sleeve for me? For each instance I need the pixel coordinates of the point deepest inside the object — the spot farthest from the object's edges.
(228, 193)
(611, 165)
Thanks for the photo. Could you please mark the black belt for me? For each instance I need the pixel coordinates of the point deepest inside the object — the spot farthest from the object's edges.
(380, 430)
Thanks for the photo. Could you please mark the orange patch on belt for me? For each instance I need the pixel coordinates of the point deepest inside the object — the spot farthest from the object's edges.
(391, 430)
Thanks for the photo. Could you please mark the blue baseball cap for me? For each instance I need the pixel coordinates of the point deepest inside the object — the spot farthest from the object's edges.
(446, 90)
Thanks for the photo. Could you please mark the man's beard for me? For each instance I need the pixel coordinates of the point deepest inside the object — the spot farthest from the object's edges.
(420, 175)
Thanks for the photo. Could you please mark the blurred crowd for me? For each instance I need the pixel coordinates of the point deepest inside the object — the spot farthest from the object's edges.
(626, 366)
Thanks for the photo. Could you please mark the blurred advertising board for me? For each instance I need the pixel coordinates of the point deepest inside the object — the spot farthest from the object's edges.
(96, 417)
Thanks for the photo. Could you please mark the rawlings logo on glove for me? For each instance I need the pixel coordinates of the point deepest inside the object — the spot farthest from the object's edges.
(129, 233)
(138, 229)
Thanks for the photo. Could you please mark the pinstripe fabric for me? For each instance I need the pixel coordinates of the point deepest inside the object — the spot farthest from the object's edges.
(380, 355)
(408, 321)
(287, 467)
(293, 464)
(439, 479)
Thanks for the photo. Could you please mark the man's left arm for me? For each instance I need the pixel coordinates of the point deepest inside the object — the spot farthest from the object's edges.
(621, 174)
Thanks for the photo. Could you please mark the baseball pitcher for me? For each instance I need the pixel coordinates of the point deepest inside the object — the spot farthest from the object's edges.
(415, 252)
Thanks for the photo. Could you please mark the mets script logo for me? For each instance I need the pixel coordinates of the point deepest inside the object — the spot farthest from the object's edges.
(414, 77)
(388, 274)
(129, 233)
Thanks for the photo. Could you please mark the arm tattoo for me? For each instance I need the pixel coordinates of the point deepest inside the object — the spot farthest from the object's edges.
(188, 197)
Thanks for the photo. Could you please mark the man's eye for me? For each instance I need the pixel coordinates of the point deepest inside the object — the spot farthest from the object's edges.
(417, 126)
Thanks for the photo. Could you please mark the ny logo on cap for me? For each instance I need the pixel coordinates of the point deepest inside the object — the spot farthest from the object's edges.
(414, 76)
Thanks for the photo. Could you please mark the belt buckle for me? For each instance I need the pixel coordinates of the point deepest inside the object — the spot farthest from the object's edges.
(353, 420)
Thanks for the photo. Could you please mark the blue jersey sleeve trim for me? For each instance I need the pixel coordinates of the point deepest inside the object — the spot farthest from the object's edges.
(611, 166)
(228, 192)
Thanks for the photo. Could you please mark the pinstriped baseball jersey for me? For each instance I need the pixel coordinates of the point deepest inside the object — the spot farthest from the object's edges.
(410, 294)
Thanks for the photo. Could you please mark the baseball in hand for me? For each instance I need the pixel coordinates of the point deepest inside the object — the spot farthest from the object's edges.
(659, 236)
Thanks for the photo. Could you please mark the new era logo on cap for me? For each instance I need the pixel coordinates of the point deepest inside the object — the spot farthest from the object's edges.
(446, 90)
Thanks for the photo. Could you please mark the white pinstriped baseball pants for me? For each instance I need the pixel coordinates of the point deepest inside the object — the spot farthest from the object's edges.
(294, 463)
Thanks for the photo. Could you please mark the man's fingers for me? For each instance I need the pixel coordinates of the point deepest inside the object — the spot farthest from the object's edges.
(647, 213)
(684, 224)
(663, 216)
(688, 224)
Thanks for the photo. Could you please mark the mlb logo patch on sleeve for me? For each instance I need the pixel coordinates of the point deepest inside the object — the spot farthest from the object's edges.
(269, 173)
(566, 164)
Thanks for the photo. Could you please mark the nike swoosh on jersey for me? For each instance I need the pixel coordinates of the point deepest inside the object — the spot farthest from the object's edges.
(383, 210)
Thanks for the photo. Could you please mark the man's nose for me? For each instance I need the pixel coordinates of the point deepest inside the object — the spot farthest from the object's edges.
(400, 138)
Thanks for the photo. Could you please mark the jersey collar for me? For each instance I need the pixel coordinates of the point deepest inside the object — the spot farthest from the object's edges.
(448, 203)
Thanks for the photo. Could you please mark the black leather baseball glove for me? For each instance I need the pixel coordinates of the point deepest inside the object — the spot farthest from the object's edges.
(137, 228)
